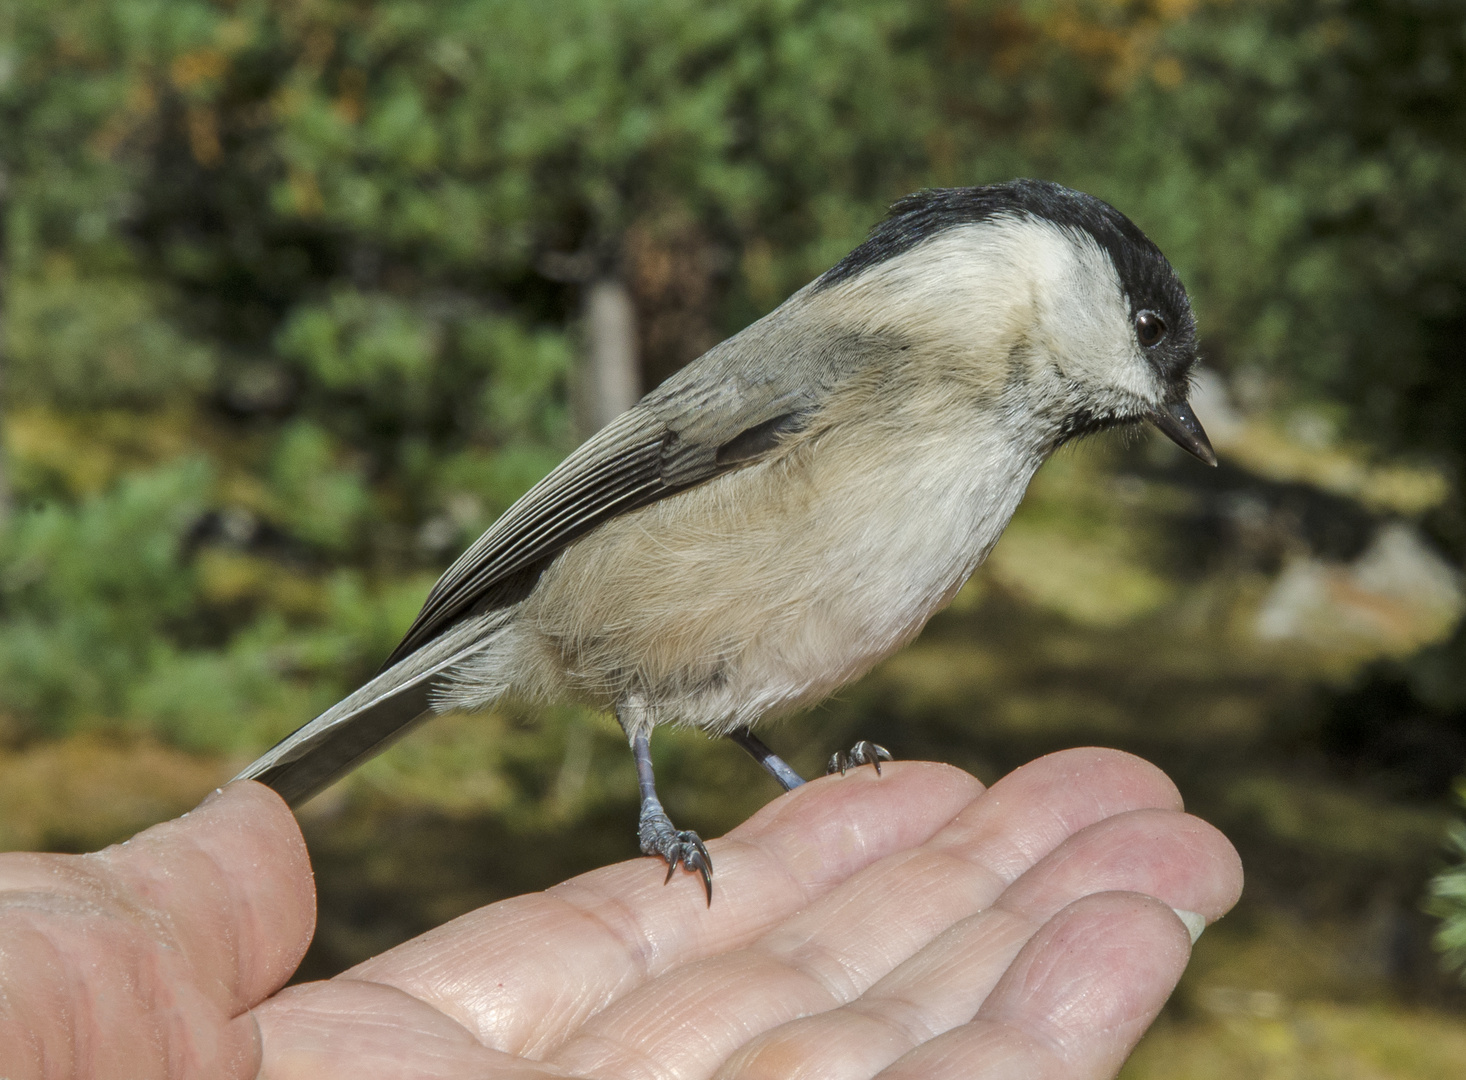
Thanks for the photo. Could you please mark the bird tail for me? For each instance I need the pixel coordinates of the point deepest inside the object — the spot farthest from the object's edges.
(366, 722)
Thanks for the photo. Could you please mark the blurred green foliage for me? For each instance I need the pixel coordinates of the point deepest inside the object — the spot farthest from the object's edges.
(308, 245)
(289, 315)
(1448, 897)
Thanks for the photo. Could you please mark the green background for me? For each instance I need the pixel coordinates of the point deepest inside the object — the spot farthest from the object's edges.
(285, 326)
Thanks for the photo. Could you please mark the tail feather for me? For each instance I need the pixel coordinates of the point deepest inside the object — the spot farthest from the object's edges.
(366, 722)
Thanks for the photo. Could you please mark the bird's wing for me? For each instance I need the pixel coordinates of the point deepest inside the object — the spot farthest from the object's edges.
(722, 412)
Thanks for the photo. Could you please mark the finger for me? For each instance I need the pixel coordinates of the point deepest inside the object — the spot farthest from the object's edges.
(1036, 807)
(230, 886)
(1168, 855)
(1179, 859)
(523, 973)
(133, 961)
(830, 953)
(1075, 1001)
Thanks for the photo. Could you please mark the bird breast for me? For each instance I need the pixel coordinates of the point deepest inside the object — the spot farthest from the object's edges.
(765, 588)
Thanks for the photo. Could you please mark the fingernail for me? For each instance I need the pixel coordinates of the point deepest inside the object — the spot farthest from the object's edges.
(1194, 922)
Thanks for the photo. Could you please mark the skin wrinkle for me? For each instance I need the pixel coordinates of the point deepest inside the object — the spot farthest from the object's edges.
(806, 958)
(1007, 1059)
(1139, 850)
(909, 1021)
(808, 843)
(468, 1032)
(77, 991)
(147, 882)
(643, 966)
(171, 1004)
(486, 1024)
(1010, 934)
(236, 908)
(59, 999)
(770, 828)
(379, 1024)
(623, 1056)
(994, 1039)
(721, 982)
(926, 975)
(833, 992)
(758, 847)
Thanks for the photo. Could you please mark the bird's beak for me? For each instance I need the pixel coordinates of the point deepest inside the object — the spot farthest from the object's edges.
(1180, 425)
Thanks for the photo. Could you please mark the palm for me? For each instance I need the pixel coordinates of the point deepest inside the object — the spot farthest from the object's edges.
(910, 925)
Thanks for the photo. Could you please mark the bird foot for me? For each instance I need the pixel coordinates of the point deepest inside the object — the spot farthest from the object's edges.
(680, 847)
(864, 752)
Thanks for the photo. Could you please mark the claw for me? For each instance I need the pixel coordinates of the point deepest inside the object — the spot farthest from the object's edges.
(704, 858)
(687, 850)
(705, 869)
(864, 752)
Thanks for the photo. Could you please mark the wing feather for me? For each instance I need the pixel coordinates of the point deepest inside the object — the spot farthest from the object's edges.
(615, 471)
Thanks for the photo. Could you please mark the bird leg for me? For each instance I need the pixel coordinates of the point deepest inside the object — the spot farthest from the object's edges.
(656, 832)
(777, 767)
(864, 752)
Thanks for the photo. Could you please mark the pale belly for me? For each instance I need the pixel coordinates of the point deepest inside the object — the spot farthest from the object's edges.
(762, 590)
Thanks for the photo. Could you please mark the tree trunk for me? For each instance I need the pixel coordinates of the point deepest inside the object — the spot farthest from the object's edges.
(609, 382)
(4, 352)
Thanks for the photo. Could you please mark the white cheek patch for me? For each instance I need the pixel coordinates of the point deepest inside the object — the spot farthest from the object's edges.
(983, 285)
(958, 286)
(1093, 338)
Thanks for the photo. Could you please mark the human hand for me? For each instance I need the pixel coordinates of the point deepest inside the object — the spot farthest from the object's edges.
(910, 925)
(142, 961)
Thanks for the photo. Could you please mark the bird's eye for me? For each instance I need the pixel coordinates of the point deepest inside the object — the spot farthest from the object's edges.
(1150, 328)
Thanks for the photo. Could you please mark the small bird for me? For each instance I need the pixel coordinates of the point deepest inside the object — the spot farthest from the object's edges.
(794, 505)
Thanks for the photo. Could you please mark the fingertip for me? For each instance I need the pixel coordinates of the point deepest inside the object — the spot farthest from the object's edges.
(1174, 857)
(1221, 886)
(1099, 969)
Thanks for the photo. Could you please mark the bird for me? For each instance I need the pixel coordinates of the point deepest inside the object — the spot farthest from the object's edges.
(794, 505)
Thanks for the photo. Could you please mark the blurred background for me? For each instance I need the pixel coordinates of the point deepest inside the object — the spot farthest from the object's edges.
(297, 296)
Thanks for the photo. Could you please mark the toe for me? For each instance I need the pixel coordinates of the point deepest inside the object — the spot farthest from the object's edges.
(864, 752)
